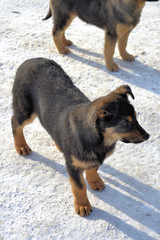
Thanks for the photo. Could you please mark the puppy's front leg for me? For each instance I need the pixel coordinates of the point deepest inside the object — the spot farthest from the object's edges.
(94, 180)
(81, 203)
(109, 48)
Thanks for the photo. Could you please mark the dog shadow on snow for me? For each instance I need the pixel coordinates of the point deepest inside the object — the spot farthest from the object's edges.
(135, 72)
(129, 196)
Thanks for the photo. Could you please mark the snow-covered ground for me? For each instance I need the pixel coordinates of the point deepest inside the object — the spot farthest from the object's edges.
(36, 202)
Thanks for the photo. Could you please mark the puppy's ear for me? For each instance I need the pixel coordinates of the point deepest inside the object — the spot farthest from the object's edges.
(123, 91)
(108, 111)
(103, 113)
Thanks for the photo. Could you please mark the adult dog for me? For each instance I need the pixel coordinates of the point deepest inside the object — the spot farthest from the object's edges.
(116, 17)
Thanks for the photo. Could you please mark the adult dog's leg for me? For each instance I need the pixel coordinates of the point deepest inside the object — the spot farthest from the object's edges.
(109, 48)
(58, 33)
(122, 44)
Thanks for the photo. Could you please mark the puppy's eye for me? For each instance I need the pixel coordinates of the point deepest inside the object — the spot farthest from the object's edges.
(126, 123)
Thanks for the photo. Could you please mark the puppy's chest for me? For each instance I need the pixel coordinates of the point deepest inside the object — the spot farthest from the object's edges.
(91, 159)
(104, 152)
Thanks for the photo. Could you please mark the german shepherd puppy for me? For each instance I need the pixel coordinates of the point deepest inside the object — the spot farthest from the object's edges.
(116, 17)
(86, 132)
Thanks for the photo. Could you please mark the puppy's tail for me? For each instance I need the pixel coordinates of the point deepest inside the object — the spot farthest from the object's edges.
(49, 14)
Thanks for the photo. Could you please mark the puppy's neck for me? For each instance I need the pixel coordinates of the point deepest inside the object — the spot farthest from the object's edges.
(109, 137)
(109, 141)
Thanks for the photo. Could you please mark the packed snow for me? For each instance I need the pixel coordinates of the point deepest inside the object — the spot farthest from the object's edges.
(36, 202)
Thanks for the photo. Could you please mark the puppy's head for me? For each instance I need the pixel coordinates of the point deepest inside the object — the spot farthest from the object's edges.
(116, 118)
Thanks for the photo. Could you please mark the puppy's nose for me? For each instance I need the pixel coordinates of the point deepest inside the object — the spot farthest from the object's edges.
(145, 136)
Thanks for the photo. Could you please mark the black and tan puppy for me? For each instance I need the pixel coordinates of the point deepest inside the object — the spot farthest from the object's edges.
(116, 17)
(86, 132)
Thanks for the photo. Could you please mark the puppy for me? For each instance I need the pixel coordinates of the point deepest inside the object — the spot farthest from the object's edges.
(116, 17)
(86, 132)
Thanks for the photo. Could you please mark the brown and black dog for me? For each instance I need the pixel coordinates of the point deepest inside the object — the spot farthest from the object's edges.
(86, 132)
(116, 17)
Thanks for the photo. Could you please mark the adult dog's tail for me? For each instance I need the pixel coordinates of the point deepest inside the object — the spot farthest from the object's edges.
(49, 14)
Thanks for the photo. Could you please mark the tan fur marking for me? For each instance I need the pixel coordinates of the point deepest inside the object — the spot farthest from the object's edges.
(129, 119)
(21, 146)
(65, 41)
(140, 5)
(122, 29)
(77, 163)
(102, 113)
(111, 136)
(59, 44)
(20, 143)
(81, 202)
(59, 38)
(122, 44)
(58, 147)
(132, 135)
(30, 120)
(109, 48)
(94, 180)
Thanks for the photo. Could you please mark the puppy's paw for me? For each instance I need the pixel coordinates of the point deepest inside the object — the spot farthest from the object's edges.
(113, 67)
(23, 150)
(97, 184)
(83, 210)
(94, 180)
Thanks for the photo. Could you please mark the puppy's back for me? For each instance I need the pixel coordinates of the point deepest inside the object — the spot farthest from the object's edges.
(44, 78)
(42, 87)
(40, 71)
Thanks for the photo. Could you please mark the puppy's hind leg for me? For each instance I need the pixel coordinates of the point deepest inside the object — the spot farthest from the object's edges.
(58, 33)
(21, 146)
(23, 115)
